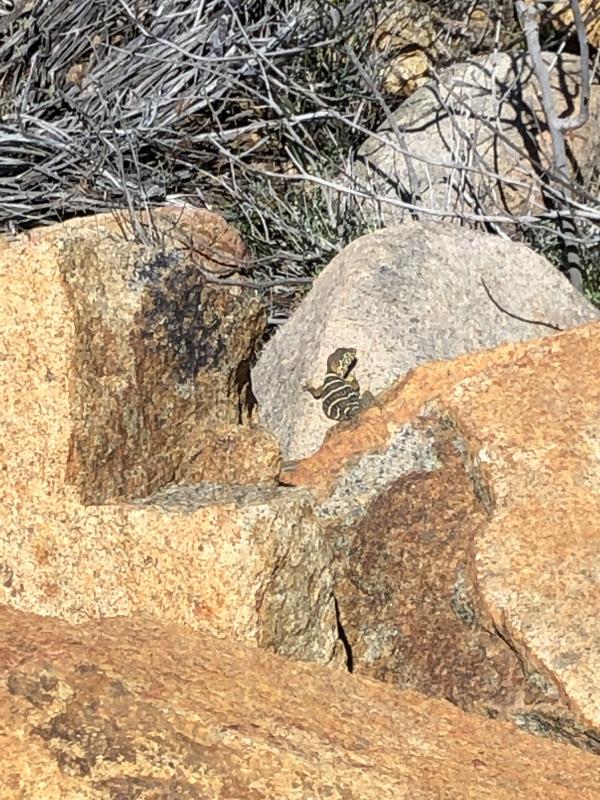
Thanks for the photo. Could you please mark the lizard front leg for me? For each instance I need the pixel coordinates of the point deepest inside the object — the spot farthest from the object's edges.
(366, 399)
(316, 393)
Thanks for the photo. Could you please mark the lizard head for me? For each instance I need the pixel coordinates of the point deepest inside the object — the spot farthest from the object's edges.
(342, 361)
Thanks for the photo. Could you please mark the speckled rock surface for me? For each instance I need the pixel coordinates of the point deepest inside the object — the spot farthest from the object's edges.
(470, 572)
(93, 407)
(409, 606)
(231, 454)
(249, 564)
(477, 140)
(120, 359)
(133, 709)
(404, 296)
(158, 357)
(533, 428)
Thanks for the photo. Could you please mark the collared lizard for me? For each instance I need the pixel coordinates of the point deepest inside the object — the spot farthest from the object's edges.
(340, 392)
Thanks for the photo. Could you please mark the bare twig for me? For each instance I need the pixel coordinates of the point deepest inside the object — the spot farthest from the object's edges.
(399, 135)
(517, 316)
(529, 15)
(578, 120)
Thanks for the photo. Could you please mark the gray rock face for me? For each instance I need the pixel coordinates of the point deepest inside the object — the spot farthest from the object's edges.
(404, 296)
(477, 139)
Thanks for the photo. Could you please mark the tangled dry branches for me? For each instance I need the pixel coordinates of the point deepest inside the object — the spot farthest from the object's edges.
(253, 107)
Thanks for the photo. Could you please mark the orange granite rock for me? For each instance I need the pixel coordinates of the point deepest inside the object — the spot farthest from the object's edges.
(464, 512)
(396, 406)
(533, 428)
(131, 708)
(121, 374)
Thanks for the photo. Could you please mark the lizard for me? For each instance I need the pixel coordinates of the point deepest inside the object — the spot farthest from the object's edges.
(340, 392)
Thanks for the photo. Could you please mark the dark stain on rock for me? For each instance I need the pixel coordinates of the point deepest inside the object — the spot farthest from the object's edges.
(179, 315)
(104, 722)
(6, 575)
(407, 601)
(160, 360)
(86, 731)
(554, 726)
(39, 689)
(151, 271)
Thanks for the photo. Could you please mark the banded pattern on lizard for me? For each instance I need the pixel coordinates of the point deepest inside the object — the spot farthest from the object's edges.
(340, 392)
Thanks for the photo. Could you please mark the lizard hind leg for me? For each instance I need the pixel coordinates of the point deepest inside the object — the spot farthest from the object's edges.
(367, 400)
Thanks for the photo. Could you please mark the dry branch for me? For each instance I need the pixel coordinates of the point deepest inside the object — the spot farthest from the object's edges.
(253, 107)
(529, 14)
